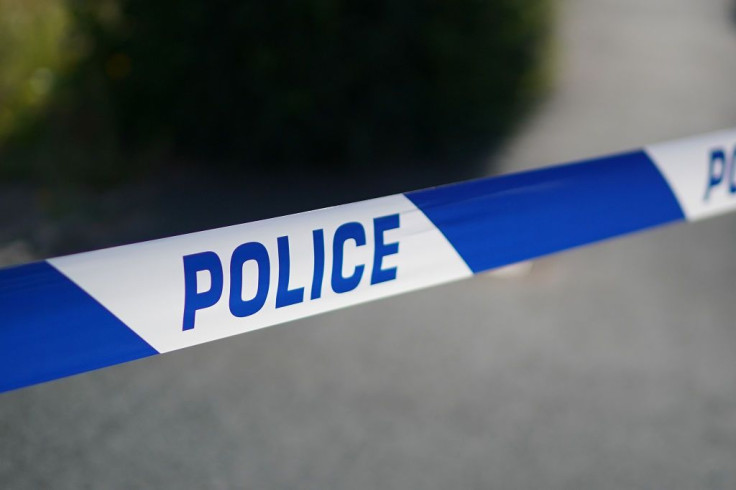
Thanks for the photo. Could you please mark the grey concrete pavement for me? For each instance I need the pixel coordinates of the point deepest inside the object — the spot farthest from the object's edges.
(612, 366)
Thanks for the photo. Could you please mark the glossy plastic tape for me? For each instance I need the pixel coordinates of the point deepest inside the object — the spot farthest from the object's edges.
(72, 314)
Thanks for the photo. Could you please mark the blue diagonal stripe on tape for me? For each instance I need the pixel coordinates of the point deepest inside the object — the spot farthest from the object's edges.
(498, 221)
(50, 328)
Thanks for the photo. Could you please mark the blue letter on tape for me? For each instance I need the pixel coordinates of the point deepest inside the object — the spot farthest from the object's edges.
(193, 301)
(245, 252)
(345, 232)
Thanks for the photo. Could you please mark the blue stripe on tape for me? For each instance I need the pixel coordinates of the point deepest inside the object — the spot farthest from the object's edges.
(50, 328)
(498, 221)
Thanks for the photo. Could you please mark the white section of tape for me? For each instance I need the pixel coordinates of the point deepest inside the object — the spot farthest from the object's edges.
(143, 284)
(701, 171)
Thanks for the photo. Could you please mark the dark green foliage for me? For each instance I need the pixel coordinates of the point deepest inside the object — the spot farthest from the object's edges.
(268, 84)
(320, 81)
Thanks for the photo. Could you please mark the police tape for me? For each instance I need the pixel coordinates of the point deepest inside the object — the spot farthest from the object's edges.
(72, 314)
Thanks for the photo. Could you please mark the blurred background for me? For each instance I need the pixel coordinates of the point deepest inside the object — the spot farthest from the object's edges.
(611, 366)
(95, 92)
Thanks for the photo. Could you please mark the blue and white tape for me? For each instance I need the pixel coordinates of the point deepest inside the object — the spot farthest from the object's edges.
(72, 314)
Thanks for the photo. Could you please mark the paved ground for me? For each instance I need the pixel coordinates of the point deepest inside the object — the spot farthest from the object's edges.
(608, 367)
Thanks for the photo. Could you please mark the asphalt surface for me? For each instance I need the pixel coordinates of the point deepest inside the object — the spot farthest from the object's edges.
(611, 366)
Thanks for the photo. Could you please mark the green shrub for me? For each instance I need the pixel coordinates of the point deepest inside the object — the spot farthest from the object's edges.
(32, 34)
(332, 83)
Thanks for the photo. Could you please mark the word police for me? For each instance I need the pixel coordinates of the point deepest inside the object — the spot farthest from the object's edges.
(721, 171)
(210, 262)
